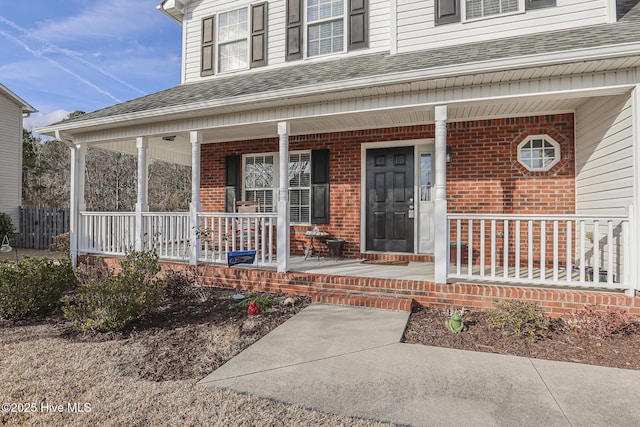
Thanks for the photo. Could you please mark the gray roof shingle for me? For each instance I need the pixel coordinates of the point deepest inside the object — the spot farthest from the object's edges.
(626, 30)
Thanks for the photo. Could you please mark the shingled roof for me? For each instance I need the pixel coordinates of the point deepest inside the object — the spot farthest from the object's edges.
(626, 30)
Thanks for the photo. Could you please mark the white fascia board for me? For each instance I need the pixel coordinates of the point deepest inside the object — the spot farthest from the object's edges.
(448, 71)
(26, 107)
(174, 9)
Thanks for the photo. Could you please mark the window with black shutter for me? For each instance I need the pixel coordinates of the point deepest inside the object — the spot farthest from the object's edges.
(207, 66)
(447, 11)
(231, 182)
(320, 27)
(538, 4)
(234, 40)
(320, 186)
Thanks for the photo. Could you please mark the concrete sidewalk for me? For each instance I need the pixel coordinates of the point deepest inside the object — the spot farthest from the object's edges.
(349, 361)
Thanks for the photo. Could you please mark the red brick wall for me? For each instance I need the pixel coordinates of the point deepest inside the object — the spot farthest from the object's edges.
(394, 293)
(484, 176)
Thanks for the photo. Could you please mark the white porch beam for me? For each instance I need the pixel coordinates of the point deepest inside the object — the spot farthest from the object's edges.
(195, 137)
(283, 251)
(77, 200)
(441, 244)
(142, 205)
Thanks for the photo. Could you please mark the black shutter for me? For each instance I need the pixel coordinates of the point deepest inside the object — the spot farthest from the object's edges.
(358, 25)
(207, 59)
(320, 186)
(538, 4)
(294, 30)
(447, 11)
(259, 35)
(232, 167)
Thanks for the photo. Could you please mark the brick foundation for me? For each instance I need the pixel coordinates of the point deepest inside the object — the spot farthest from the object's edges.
(399, 294)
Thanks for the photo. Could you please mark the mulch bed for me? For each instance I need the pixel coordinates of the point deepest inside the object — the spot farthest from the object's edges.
(427, 326)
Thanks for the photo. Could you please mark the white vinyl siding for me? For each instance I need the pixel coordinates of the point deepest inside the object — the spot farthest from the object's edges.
(378, 11)
(417, 30)
(10, 157)
(604, 156)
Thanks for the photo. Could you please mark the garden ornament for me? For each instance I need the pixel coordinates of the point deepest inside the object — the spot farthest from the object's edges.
(454, 324)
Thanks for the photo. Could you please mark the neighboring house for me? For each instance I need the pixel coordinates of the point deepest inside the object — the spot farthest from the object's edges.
(12, 111)
(497, 139)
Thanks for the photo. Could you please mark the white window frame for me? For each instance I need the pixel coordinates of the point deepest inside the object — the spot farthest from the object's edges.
(301, 188)
(307, 24)
(276, 181)
(218, 44)
(274, 184)
(463, 12)
(555, 145)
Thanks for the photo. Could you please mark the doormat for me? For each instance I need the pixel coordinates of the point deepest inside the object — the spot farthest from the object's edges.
(384, 262)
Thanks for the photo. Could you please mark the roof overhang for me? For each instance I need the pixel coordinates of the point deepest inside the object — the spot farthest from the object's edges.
(573, 62)
(26, 107)
(174, 9)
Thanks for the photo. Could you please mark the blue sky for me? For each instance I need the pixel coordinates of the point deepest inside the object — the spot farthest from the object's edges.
(66, 55)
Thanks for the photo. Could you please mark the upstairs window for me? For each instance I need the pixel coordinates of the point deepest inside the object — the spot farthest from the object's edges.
(322, 27)
(481, 8)
(325, 27)
(234, 40)
(449, 11)
(233, 34)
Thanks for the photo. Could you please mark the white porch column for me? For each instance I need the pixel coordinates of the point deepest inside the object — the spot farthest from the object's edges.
(283, 199)
(634, 212)
(195, 137)
(441, 244)
(142, 143)
(77, 201)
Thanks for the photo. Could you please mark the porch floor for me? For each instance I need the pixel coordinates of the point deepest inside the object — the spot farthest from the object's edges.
(423, 271)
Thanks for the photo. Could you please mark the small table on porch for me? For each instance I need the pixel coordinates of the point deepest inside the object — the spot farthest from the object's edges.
(315, 237)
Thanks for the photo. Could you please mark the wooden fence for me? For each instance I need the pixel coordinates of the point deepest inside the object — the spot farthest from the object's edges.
(38, 226)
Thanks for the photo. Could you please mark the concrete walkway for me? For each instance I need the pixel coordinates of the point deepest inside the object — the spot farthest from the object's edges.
(349, 361)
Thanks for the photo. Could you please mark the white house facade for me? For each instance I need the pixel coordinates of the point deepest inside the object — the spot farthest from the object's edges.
(12, 111)
(497, 139)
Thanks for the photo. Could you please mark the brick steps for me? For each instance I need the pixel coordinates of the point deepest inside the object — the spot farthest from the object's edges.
(364, 300)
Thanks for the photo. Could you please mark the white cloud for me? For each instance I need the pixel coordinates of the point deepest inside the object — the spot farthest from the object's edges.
(40, 119)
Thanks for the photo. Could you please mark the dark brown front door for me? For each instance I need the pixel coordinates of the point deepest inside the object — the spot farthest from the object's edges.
(390, 199)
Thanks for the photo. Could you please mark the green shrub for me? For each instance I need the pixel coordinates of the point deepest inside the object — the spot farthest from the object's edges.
(106, 301)
(34, 286)
(521, 318)
(597, 322)
(263, 301)
(6, 225)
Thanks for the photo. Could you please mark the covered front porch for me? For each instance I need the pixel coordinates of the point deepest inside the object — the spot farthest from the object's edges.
(482, 213)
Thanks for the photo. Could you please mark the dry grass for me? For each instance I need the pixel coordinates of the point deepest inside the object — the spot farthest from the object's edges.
(37, 366)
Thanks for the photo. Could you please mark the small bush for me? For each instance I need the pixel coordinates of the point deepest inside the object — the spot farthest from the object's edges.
(597, 322)
(177, 284)
(34, 286)
(106, 301)
(264, 302)
(6, 225)
(521, 318)
(61, 243)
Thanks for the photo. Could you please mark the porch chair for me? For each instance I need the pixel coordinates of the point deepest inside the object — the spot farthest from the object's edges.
(243, 227)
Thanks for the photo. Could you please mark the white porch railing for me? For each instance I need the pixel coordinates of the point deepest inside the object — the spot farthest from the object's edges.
(169, 234)
(574, 250)
(109, 233)
(221, 233)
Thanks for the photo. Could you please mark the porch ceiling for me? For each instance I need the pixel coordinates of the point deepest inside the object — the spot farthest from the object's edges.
(179, 150)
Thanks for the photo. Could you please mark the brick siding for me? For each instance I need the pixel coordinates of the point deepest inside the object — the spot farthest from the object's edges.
(484, 177)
